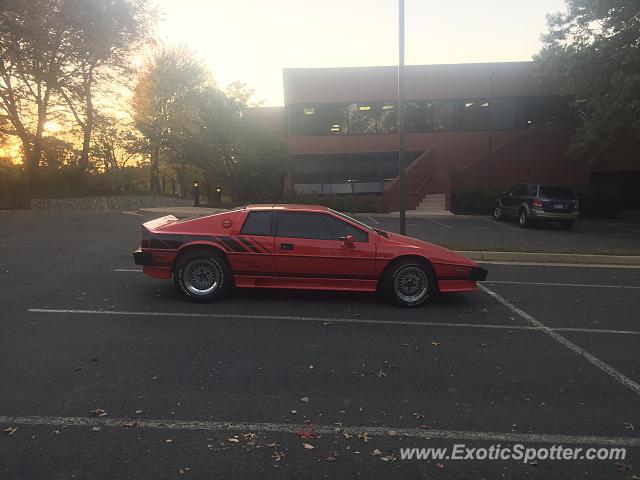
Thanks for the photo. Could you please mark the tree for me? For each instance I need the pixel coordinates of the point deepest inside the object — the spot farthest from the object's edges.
(104, 34)
(33, 50)
(168, 77)
(116, 143)
(593, 50)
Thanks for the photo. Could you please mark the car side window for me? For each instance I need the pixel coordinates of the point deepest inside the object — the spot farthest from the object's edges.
(303, 225)
(342, 229)
(258, 223)
(533, 191)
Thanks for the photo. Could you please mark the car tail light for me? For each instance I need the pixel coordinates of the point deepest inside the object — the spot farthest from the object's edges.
(537, 202)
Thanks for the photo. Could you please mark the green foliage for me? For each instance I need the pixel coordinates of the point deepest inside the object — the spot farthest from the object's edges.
(341, 203)
(592, 51)
(474, 200)
(599, 202)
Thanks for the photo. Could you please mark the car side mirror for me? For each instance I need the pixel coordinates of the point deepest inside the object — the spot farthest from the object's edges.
(348, 241)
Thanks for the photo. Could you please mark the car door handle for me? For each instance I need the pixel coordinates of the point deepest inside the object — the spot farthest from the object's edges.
(286, 246)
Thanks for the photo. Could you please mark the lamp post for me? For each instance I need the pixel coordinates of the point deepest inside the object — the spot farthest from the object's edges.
(401, 118)
(196, 194)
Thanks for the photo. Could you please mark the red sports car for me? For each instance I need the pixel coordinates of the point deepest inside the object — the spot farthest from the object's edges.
(298, 246)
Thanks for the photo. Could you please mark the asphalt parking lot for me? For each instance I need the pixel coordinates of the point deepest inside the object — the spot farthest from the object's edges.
(485, 233)
(540, 356)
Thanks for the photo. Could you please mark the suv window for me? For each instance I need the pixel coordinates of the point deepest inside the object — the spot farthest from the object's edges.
(342, 229)
(532, 190)
(257, 223)
(303, 225)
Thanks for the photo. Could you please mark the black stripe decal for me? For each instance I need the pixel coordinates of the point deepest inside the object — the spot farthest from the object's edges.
(250, 245)
(267, 249)
(232, 244)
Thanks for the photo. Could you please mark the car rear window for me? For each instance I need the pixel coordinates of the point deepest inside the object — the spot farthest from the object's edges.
(257, 223)
(551, 191)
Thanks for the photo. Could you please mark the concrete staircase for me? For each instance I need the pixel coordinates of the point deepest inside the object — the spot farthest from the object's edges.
(433, 204)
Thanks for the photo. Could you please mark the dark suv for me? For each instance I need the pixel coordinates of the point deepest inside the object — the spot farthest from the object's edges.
(534, 201)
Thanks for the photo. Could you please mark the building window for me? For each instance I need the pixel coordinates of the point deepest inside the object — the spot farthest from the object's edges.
(362, 118)
(503, 113)
(318, 119)
(419, 117)
(387, 118)
(445, 114)
(475, 114)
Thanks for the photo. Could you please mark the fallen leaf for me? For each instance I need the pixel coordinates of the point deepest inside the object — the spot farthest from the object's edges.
(392, 433)
(346, 435)
(168, 440)
(234, 439)
(129, 423)
(304, 399)
(10, 430)
(439, 465)
(424, 427)
(99, 412)
(364, 436)
(333, 456)
(96, 429)
(435, 344)
(294, 412)
(376, 452)
(418, 415)
(380, 374)
(138, 412)
(631, 426)
(277, 454)
(391, 457)
(308, 446)
(624, 467)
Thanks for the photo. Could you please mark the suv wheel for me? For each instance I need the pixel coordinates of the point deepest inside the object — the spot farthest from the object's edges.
(497, 212)
(202, 275)
(409, 283)
(523, 218)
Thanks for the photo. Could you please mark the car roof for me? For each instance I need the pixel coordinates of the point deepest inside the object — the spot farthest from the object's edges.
(288, 206)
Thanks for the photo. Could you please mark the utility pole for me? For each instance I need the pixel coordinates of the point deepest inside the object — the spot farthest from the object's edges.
(490, 121)
(401, 120)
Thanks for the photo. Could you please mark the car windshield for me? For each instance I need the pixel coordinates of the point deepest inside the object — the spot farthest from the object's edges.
(357, 222)
(552, 191)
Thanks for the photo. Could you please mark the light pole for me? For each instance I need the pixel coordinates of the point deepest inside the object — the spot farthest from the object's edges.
(401, 119)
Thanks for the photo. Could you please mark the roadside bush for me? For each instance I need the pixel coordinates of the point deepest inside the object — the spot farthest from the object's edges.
(341, 203)
(474, 200)
(601, 202)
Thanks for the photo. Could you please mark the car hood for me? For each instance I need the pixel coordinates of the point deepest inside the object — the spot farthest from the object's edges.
(435, 253)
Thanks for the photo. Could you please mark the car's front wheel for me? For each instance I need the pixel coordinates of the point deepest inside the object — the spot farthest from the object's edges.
(409, 283)
(202, 275)
(523, 219)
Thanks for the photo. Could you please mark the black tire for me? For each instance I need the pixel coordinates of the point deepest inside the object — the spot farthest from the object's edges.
(523, 218)
(566, 225)
(407, 274)
(202, 275)
(497, 212)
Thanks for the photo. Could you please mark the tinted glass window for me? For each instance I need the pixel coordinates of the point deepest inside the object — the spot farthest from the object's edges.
(475, 115)
(551, 191)
(342, 229)
(303, 225)
(257, 223)
(503, 113)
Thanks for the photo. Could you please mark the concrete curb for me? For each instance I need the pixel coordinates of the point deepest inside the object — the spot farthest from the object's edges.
(553, 258)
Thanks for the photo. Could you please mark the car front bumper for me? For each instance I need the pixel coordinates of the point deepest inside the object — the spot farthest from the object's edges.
(142, 258)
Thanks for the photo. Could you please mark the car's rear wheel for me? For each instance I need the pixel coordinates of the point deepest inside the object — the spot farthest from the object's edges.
(497, 212)
(409, 283)
(202, 275)
(523, 219)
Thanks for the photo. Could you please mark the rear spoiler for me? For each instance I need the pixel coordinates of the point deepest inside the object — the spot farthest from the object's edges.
(159, 222)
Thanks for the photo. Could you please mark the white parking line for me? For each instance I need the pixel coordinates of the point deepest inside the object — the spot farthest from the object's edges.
(585, 285)
(439, 223)
(623, 227)
(320, 320)
(127, 270)
(555, 264)
(608, 369)
(503, 225)
(259, 427)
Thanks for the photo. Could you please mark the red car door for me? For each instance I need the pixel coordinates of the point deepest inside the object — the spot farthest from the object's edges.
(309, 244)
(255, 244)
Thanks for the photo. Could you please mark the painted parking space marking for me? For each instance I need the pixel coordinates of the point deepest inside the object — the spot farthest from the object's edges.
(127, 270)
(327, 320)
(503, 225)
(547, 284)
(589, 357)
(260, 427)
(442, 224)
(556, 264)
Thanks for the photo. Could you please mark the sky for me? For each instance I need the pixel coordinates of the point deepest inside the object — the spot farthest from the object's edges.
(253, 40)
